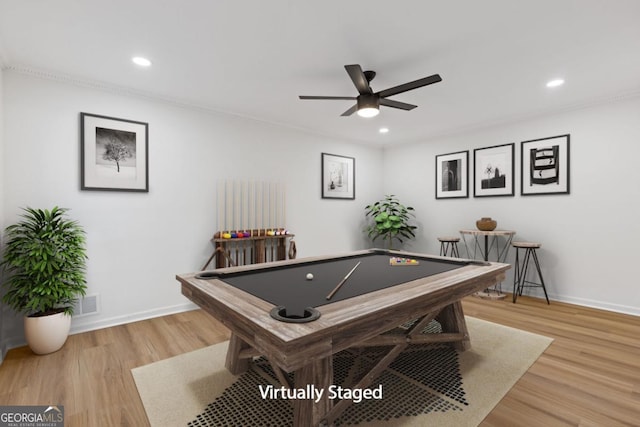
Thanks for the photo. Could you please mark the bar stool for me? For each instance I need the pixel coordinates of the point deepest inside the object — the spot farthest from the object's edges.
(449, 246)
(520, 272)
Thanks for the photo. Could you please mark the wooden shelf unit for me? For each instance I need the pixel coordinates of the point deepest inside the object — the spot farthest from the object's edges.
(255, 249)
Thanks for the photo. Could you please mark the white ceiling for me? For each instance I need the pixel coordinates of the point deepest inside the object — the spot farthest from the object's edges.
(253, 58)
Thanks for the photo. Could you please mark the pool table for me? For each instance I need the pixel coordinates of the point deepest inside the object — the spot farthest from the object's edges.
(274, 310)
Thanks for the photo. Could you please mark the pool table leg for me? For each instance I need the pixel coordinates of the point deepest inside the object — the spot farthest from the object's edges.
(233, 362)
(451, 319)
(308, 412)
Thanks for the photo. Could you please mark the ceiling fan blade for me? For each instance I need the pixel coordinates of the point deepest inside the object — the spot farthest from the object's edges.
(358, 78)
(410, 86)
(350, 111)
(327, 97)
(396, 104)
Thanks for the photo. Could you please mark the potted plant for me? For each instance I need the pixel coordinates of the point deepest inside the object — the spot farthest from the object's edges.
(45, 260)
(390, 220)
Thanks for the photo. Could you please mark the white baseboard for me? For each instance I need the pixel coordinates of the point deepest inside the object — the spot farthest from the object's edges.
(618, 308)
(13, 342)
(86, 325)
(599, 305)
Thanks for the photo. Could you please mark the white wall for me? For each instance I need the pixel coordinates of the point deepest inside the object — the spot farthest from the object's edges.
(589, 237)
(3, 347)
(138, 242)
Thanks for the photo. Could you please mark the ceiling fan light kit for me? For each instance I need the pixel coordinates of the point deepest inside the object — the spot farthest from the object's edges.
(368, 102)
(368, 105)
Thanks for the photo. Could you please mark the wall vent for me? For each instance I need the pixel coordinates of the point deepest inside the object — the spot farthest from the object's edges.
(86, 305)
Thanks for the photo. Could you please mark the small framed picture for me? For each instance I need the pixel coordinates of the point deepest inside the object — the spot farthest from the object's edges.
(493, 171)
(114, 154)
(452, 175)
(338, 177)
(545, 166)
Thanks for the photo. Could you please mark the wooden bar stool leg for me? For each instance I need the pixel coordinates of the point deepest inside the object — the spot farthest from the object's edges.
(525, 270)
(516, 276)
(521, 270)
(449, 246)
(535, 259)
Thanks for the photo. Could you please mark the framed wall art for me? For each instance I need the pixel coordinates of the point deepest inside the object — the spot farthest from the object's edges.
(493, 171)
(114, 154)
(452, 175)
(338, 177)
(545, 166)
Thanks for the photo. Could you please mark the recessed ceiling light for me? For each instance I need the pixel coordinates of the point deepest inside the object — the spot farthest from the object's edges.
(555, 83)
(139, 60)
(383, 130)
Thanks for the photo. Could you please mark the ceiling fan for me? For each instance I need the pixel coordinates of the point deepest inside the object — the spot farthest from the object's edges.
(368, 102)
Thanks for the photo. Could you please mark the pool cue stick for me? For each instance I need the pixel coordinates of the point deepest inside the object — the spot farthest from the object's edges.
(220, 208)
(237, 199)
(228, 205)
(342, 281)
(252, 206)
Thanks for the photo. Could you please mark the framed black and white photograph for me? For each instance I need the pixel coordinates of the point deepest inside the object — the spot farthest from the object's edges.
(493, 171)
(452, 175)
(114, 154)
(545, 166)
(338, 177)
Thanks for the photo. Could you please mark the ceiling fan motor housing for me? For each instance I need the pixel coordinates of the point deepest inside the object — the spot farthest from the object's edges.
(369, 75)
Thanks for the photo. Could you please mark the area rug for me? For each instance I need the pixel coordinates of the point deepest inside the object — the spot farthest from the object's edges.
(426, 385)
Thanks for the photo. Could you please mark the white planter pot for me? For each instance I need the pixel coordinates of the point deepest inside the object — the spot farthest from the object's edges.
(47, 334)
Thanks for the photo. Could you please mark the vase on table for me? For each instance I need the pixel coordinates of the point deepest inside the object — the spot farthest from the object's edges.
(486, 224)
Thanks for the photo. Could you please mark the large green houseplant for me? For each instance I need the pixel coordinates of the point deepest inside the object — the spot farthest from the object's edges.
(44, 259)
(390, 220)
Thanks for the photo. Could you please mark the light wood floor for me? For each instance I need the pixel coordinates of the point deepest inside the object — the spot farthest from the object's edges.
(589, 376)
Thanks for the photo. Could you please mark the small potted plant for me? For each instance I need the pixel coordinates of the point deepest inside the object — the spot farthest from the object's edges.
(45, 259)
(390, 220)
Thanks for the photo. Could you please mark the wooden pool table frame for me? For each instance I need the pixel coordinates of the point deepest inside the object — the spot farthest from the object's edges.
(307, 348)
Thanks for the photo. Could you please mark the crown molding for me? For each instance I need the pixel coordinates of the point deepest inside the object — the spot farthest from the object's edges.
(95, 84)
(127, 91)
(517, 118)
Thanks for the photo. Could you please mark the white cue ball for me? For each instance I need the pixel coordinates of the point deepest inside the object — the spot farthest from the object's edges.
(309, 276)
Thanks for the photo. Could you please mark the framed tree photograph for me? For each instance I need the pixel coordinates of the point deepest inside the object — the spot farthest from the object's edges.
(494, 170)
(114, 154)
(545, 166)
(452, 175)
(338, 177)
